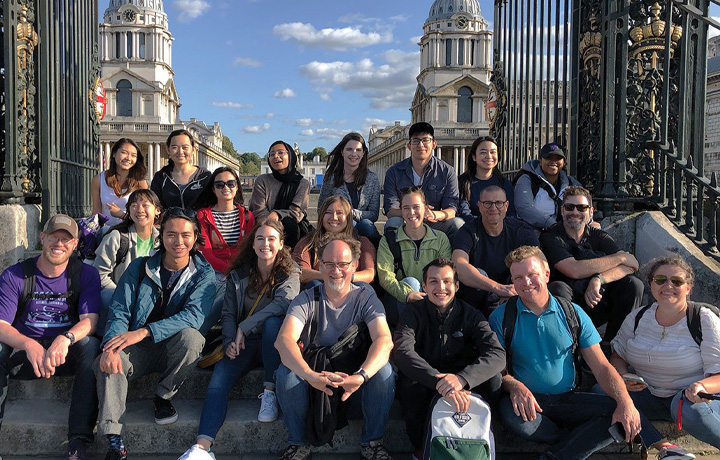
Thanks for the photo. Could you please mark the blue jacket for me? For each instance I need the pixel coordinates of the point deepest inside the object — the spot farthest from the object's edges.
(132, 303)
(439, 183)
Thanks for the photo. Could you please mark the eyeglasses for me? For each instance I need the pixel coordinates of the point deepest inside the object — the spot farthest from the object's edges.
(221, 184)
(278, 153)
(579, 207)
(676, 281)
(182, 212)
(490, 204)
(52, 239)
(424, 140)
(332, 265)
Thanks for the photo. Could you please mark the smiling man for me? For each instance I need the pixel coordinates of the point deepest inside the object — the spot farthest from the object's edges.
(464, 356)
(158, 306)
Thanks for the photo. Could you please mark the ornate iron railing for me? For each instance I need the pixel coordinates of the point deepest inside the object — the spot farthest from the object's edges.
(48, 146)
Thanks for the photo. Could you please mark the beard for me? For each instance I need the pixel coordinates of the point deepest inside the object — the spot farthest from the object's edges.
(335, 285)
(576, 223)
(55, 260)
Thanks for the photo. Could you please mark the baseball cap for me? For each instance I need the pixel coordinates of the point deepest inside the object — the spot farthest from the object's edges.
(61, 222)
(551, 149)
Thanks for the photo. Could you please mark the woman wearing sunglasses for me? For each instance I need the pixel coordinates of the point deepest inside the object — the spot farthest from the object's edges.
(658, 344)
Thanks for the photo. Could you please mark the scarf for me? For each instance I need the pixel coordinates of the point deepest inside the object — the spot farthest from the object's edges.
(290, 180)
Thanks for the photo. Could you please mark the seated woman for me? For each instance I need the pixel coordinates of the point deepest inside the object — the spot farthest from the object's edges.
(283, 195)
(347, 175)
(417, 245)
(659, 343)
(481, 171)
(179, 183)
(223, 224)
(334, 216)
(262, 280)
(135, 236)
(110, 189)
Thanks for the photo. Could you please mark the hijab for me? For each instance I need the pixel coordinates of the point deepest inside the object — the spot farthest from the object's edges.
(290, 180)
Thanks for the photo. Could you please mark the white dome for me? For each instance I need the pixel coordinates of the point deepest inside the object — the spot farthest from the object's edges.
(142, 5)
(445, 9)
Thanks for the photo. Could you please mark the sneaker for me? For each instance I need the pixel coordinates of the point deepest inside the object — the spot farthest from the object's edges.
(165, 413)
(197, 453)
(75, 450)
(268, 406)
(114, 454)
(673, 452)
(375, 451)
(296, 453)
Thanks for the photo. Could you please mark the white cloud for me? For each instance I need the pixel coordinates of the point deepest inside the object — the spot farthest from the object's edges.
(246, 62)
(388, 85)
(308, 121)
(335, 39)
(325, 97)
(190, 9)
(307, 132)
(712, 31)
(256, 129)
(330, 133)
(415, 40)
(378, 121)
(232, 105)
(286, 93)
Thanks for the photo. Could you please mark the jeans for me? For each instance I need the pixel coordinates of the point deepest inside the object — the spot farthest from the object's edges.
(213, 317)
(449, 227)
(575, 424)
(106, 296)
(375, 396)
(79, 360)
(367, 228)
(394, 307)
(259, 349)
(701, 420)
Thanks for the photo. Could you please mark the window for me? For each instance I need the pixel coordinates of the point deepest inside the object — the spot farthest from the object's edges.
(124, 98)
(141, 43)
(448, 52)
(147, 106)
(465, 108)
(118, 45)
(461, 51)
(129, 45)
(472, 52)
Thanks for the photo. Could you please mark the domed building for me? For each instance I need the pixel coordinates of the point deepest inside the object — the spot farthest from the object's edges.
(142, 102)
(453, 86)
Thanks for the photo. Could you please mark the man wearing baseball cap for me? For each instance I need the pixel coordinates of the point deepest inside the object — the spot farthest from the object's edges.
(49, 308)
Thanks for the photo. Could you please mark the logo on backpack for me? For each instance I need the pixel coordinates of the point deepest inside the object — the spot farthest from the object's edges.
(461, 418)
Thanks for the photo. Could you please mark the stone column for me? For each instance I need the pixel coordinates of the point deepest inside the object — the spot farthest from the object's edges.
(158, 158)
(455, 159)
(123, 45)
(463, 161)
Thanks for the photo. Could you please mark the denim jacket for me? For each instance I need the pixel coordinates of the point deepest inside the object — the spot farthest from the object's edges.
(439, 183)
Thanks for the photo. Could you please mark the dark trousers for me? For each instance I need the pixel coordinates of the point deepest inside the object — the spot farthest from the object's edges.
(619, 299)
(84, 402)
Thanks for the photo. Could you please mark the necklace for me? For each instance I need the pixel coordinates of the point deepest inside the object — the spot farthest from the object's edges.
(663, 334)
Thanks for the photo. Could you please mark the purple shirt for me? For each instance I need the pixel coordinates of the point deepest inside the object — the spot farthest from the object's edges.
(46, 317)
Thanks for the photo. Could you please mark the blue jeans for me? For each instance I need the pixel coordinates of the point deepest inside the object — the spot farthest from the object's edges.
(701, 420)
(367, 228)
(376, 397)
(106, 296)
(575, 424)
(259, 349)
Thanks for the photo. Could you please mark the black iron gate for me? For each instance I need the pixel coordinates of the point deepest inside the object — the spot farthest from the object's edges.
(50, 131)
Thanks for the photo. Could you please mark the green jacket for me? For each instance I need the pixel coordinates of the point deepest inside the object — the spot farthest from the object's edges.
(434, 245)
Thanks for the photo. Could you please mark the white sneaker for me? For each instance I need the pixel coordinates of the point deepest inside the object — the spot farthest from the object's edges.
(673, 452)
(196, 453)
(268, 406)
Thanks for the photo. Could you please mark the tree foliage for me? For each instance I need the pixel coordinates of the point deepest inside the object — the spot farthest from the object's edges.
(317, 152)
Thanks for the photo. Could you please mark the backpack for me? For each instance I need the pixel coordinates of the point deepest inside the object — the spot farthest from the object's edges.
(391, 238)
(536, 183)
(453, 435)
(124, 247)
(74, 283)
(508, 329)
(692, 315)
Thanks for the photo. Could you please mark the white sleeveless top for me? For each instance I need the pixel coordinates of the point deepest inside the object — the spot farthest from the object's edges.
(107, 195)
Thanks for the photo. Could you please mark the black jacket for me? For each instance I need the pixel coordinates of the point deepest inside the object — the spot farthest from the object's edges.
(169, 192)
(463, 345)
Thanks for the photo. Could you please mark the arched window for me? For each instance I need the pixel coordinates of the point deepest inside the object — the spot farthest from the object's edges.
(465, 107)
(124, 98)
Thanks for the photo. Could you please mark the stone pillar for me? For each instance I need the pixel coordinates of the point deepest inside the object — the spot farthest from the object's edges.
(158, 158)
(455, 159)
(123, 45)
(463, 161)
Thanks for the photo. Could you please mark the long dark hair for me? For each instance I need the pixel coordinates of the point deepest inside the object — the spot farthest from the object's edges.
(336, 162)
(246, 256)
(207, 197)
(135, 174)
(318, 234)
(465, 179)
(178, 132)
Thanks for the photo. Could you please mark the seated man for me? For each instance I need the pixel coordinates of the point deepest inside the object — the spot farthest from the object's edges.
(340, 304)
(436, 178)
(588, 267)
(153, 321)
(480, 248)
(49, 308)
(541, 351)
(465, 356)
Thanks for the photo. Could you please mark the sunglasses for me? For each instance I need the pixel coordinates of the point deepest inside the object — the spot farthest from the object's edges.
(676, 281)
(579, 207)
(221, 184)
(177, 211)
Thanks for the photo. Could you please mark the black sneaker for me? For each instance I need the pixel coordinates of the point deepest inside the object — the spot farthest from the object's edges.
(165, 413)
(296, 453)
(375, 450)
(76, 450)
(114, 454)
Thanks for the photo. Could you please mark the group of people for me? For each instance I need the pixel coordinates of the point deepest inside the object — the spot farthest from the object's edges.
(477, 285)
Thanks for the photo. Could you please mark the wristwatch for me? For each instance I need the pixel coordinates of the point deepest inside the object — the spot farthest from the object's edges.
(70, 336)
(361, 372)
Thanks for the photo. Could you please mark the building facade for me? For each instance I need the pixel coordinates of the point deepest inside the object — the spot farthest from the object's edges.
(142, 102)
(712, 114)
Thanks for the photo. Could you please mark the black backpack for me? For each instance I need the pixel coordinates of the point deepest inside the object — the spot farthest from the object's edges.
(74, 283)
(692, 315)
(391, 238)
(508, 329)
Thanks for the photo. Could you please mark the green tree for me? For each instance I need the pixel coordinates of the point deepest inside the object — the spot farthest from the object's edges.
(317, 152)
(250, 163)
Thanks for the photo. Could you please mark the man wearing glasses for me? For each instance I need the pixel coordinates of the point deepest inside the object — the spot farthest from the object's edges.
(480, 248)
(588, 267)
(437, 179)
(340, 304)
(49, 308)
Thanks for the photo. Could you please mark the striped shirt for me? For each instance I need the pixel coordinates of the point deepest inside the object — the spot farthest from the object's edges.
(667, 357)
(228, 222)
